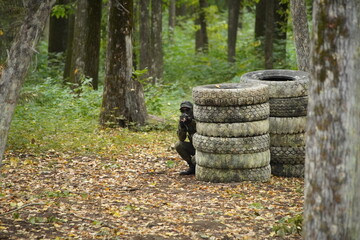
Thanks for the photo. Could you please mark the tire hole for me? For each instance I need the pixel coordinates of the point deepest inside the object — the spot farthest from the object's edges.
(277, 78)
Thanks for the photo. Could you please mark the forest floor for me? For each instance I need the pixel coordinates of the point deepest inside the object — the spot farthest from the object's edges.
(137, 194)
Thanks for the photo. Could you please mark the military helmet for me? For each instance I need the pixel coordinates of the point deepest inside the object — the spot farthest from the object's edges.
(186, 104)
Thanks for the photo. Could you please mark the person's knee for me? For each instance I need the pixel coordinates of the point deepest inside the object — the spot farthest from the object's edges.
(179, 146)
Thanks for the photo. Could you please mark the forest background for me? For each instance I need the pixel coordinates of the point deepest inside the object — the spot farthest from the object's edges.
(48, 111)
(56, 133)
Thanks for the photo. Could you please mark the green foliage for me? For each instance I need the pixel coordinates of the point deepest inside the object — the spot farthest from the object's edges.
(63, 10)
(289, 225)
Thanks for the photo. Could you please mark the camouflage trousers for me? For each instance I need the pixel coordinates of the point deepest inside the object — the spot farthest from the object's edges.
(186, 151)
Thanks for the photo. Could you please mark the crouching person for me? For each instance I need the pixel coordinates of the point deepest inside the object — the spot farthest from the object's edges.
(186, 129)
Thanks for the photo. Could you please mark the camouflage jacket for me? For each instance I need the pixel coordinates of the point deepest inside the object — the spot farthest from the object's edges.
(188, 132)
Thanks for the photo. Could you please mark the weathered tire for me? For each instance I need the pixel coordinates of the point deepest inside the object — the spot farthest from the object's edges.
(287, 125)
(287, 140)
(287, 155)
(241, 129)
(286, 170)
(282, 83)
(231, 145)
(231, 114)
(288, 107)
(262, 174)
(230, 94)
(233, 161)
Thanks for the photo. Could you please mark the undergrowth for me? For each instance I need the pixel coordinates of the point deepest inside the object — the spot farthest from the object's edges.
(50, 117)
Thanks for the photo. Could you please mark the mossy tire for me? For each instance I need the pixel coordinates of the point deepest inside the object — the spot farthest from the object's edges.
(231, 114)
(262, 174)
(282, 83)
(241, 145)
(241, 129)
(288, 170)
(233, 161)
(287, 155)
(287, 140)
(288, 107)
(230, 94)
(287, 125)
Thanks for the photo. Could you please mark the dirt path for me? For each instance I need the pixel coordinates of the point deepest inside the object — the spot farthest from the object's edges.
(137, 195)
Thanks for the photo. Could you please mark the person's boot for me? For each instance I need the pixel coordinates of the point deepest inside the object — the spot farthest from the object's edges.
(190, 171)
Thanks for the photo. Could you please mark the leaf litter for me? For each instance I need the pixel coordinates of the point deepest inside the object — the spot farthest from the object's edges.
(136, 194)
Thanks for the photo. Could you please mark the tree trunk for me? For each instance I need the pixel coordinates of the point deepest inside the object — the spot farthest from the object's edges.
(93, 42)
(260, 20)
(172, 19)
(332, 168)
(69, 48)
(201, 37)
(301, 33)
(234, 11)
(58, 32)
(156, 37)
(18, 62)
(12, 14)
(280, 20)
(123, 98)
(269, 34)
(145, 38)
(86, 42)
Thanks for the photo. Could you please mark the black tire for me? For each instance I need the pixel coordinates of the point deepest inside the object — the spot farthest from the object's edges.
(282, 83)
(241, 129)
(231, 145)
(286, 125)
(231, 114)
(288, 107)
(287, 140)
(287, 155)
(286, 170)
(233, 161)
(232, 175)
(230, 94)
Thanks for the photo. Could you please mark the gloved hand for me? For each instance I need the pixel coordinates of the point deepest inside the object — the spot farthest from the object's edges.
(184, 120)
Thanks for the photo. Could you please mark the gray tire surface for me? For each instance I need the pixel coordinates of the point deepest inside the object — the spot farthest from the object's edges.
(231, 145)
(287, 140)
(232, 175)
(231, 114)
(282, 83)
(287, 155)
(233, 161)
(287, 125)
(288, 107)
(285, 170)
(241, 129)
(230, 94)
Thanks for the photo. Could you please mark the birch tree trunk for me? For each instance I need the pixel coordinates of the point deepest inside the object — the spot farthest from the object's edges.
(301, 34)
(332, 169)
(18, 62)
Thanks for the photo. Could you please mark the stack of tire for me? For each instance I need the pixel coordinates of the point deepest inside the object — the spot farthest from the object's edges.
(288, 98)
(232, 140)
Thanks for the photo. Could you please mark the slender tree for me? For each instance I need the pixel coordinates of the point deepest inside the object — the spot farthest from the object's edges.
(86, 42)
(145, 38)
(332, 168)
(201, 37)
(58, 29)
(172, 19)
(18, 62)
(156, 39)
(301, 33)
(281, 21)
(269, 33)
(123, 98)
(233, 21)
